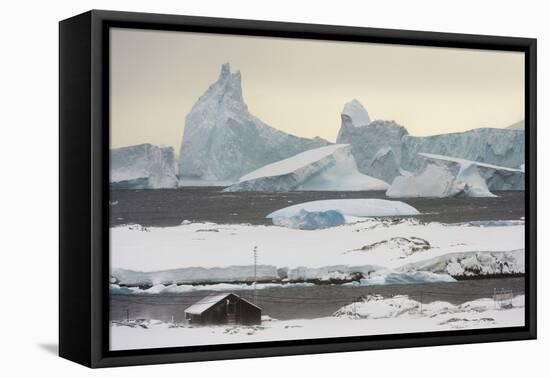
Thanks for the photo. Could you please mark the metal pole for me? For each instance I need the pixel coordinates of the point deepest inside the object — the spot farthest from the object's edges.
(255, 273)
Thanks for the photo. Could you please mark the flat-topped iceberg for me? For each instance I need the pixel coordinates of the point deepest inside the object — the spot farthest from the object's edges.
(310, 220)
(382, 148)
(143, 166)
(330, 168)
(350, 207)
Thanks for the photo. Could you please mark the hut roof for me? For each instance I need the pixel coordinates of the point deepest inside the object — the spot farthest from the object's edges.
(210, 300)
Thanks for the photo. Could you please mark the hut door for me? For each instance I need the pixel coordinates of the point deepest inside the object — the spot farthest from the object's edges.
(231, 310)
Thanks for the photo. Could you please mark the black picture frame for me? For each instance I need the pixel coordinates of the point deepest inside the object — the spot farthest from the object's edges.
(84, 187)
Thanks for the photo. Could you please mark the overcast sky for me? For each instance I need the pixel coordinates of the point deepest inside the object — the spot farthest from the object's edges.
(300, 86)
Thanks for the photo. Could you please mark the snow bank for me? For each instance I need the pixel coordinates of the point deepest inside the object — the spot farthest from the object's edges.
(396, 278)
(195, 274)
(116, 289)
(472, 263)
(325, 168)
(378, 307)
(350, 207)
(226, 255)
(310, 220)
(401, 306)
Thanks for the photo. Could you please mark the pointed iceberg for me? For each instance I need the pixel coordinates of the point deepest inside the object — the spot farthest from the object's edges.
(222, 141)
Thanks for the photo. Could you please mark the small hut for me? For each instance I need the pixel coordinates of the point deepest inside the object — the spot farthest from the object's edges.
(226, 308)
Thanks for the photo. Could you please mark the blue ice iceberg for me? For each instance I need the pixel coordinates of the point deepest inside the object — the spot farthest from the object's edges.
(310, 220)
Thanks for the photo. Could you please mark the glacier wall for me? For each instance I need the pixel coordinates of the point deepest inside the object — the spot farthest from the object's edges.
(384, 149)
(494, 177)
(502, 147)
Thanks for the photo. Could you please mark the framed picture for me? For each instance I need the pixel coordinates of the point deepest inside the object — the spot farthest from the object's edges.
(235, 188)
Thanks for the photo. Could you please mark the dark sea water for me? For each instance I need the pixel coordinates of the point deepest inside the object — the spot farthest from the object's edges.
(169, 207)
(310, 302)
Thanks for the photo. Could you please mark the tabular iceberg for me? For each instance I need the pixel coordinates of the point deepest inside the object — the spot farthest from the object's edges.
(143, 166)
(351, 207)
(480, 177)
(383, 149)
(443, 176)
(222, 141)
(325, 168)
(310, 220)
(502, 147)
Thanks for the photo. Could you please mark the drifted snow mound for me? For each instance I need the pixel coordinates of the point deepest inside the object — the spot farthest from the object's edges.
(222, 141)
(325, 168)
(480, 177)
(310, 220)
(143, 166)
(378, 307)
(472, 264)
(350, 207)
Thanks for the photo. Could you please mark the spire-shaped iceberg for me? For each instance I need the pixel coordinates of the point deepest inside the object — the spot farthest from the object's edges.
(222, 141)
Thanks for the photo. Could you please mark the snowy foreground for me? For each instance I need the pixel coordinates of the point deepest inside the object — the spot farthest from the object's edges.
(378, 248)
(373, 316)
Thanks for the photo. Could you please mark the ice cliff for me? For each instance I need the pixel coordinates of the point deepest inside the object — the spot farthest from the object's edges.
(382, 149)
(442, 176)
(143, 166)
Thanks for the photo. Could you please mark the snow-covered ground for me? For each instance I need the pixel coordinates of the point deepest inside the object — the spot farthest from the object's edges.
(195, 252)
(372, 316)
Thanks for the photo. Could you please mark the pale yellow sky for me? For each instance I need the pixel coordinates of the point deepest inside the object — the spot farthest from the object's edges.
(300, 86)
